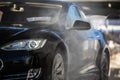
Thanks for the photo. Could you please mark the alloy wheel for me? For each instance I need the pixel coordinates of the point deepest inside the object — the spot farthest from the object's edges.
(58, 71)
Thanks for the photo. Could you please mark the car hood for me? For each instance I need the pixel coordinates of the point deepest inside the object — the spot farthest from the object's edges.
(7, 32)
(12, 33)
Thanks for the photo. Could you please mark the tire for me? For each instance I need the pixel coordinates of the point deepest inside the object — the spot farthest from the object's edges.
(104, 66)
(55, 66)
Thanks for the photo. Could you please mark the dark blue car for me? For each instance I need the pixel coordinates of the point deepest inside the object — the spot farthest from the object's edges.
(50, 41)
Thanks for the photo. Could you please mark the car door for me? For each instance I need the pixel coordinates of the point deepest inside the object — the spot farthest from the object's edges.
(93, 43)
(79, 44)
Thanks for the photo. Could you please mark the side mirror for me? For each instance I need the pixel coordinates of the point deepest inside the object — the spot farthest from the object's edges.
(81, 25)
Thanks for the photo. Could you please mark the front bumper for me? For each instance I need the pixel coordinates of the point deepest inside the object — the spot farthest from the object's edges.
(14, 65)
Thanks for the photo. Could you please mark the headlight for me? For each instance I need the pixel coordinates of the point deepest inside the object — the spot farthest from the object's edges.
(25, 45)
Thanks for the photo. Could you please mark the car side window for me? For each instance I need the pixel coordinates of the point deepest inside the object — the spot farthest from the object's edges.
(72, 16)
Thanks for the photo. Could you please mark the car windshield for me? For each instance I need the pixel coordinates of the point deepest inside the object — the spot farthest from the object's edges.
(30, 13)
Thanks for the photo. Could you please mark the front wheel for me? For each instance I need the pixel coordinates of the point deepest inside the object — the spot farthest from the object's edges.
(58, 68)
(55, 66)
